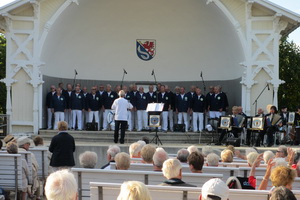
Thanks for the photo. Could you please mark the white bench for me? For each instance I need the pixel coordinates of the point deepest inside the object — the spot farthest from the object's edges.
(236, 164)
(296, 184)
(85, 176)
(245, 171)
(226, 171)
(41, 155)
(11, 172)
(110, 191)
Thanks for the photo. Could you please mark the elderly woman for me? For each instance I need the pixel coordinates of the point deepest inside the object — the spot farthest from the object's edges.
(88, 159)
(281, 152)
(227, 156)
(12, 148)
(268, 155)
(132, 190)
(212, 160)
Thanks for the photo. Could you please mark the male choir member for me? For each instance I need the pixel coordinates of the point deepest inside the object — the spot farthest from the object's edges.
(141, 106)
(152, 95)
(93, 101)
(77, 105)
(216, 104)
(58, 105)
(198, 105)
(68, 112)
(191, 95)
(133, 93)
(172, 103)
(108, 98)
(163, 97)
(85, 113)
(183, 107)
(177, 92)
(101, 112)
(225, 103)
(128, 97)
(48, 106)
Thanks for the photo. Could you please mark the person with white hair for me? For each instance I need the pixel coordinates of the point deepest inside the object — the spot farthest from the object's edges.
(214, 189)
(61, 185)
(182, 155)
(134, 190)
(159, 157)
(172, 170)
(268, 155)
(281, 152)
(88, 159)
(121, 105)
(192, 149)
(212, 160)
(111, 153)
(135, 150)
(122, 161)
(251, 157)
(142, 100)
(147, 153)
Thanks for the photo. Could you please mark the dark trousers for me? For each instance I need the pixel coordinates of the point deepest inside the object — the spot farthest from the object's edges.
(270, 135)
(234, 131)
(123, 125)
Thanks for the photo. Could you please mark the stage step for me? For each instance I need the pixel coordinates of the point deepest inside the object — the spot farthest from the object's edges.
(130, 137)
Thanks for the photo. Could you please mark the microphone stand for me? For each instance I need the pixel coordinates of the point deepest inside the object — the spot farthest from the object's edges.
(153, 74)
(74, 78)
(124, 72)
(255, 102)
(204, 86)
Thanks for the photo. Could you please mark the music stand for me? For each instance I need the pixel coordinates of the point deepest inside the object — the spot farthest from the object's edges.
(154, 110)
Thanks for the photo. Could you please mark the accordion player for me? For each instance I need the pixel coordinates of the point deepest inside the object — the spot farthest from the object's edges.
(273, 120)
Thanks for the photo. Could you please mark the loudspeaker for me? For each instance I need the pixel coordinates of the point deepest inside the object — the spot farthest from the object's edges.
(179, 127)
(91, 126)
(236, 142)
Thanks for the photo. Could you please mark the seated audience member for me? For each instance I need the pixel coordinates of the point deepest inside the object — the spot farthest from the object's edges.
(61, 185)
(38, 141)
(134, 190)
(280, 162)
(192, 149)
(195, 161)
(111, 153)
(135, 150)
(8, 138)
(147, 153)
(281, 152)
(172, 170)
(214, 189)
(226, 156)
(251, 157)
(142, 143)
(145, 139)
(159, 157)
(12, 148)
(282, 193)
(254, 164)
(207, 150)
(212, 160)
(88, 159)
(231, 147)
(122, 161)
(247, 151)
(268, 155)
(182, 155)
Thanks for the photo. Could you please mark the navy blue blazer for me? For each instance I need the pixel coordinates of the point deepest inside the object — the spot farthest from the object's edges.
(108, 100)
(68, 98)
(142, 101)
(93, 103)
(153, 98)
(77, 101)
(172, 99)
(183, 104)
(209, 98)
(198, 104)
(133, 98)
(49, 99)
(58, 103)
(217, 102)
(166, 100)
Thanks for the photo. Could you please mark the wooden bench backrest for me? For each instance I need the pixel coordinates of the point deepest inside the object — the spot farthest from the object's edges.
(110, 191)
(296, 184)
(85, 176)
(11, 171)
(226, 171)
(41, 155)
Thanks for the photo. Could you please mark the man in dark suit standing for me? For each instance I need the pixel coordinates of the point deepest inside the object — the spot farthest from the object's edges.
(163, 97)
(109, 97)
(77, 105)
(93, 104)
(62, 147)
(141, 106)
(68, 113)
(183, 107)
(58, 106)
(48, 105)
(216, 104)
(198, 105)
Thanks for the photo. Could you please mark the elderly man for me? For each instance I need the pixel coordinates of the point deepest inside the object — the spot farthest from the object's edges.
(93, 102)
(62, 146)
(121, 105)
(58, 107)
(109, 97)
(142, 101)
(61, 185)
(68, 113)
(198, 105)
(48, 106)
(214, 189)
(212, 160)
(111, 153)
(182, 155)
(135, 150)
(183, 108)
(147, 153)
(88, 159)
(172, 170)
(216, 103)
(163, 97)
(77, 105)
(159, 157)
(122, 161)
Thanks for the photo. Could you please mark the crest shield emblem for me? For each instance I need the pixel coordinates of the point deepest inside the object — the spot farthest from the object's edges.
(145, 49)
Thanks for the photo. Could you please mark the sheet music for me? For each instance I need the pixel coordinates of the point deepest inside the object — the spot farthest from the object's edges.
(155, 107)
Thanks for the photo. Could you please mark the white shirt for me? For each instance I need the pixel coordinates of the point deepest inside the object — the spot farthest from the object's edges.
(121, 105)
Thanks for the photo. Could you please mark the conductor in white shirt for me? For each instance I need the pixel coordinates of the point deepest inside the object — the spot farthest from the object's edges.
(121, 105)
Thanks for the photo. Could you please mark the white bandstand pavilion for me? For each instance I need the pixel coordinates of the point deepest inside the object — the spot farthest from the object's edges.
(234, 41)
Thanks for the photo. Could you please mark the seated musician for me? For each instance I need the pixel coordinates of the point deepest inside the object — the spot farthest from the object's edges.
(261, 133)
(272, 120)
(235, 129)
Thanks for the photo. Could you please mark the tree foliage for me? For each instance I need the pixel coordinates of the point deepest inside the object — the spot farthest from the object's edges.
(2, 73)
(289, 71)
